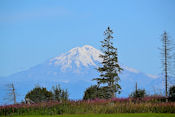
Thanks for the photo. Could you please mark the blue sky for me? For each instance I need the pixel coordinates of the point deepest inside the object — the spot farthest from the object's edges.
(35, 30)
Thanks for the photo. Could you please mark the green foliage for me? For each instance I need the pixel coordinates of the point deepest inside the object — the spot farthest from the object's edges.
(140, 93)
(87, 107)
(59, 94)
(107, 115)
(91, 93)
(94, 92)
(105, 92)
(39, 94)
(110, 67)
(172, 93)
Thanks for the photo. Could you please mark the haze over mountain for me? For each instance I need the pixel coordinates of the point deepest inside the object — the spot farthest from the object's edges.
(74, 70)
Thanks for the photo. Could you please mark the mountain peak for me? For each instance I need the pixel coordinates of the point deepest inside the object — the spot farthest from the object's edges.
(78, 56)
(88, 47)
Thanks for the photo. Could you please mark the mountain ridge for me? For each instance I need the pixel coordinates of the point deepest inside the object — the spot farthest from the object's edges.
(74, 70)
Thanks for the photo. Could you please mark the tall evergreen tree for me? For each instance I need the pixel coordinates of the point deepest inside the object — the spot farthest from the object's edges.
(110, 69)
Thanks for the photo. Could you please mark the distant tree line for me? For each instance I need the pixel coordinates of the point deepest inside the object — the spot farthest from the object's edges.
(41, 94)
(110, 69)
(108, 81)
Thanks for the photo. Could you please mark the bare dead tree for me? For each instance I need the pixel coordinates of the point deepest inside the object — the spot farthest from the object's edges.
(166, 59)
(11, 93)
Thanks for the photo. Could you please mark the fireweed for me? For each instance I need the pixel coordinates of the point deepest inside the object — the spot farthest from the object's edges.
(99, 106)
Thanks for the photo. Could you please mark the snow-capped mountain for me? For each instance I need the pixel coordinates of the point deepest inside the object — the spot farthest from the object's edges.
(77, 57)
(74, 70)
(85, 56)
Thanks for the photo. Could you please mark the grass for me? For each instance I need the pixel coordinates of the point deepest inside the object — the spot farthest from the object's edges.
(105, 115)
(92, 108)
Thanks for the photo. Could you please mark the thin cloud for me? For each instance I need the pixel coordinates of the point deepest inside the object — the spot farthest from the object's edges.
(34, 14)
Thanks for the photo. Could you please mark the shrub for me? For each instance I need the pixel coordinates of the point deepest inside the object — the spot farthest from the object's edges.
(39, 94)
(94, 92)
(140, 93)
(59, 94)
(172, 93)
(90, 93)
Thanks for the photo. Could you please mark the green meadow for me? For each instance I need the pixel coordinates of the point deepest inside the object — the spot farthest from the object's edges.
(106, 115)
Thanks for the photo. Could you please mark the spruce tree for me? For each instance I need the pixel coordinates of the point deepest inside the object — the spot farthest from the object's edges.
(110, 68)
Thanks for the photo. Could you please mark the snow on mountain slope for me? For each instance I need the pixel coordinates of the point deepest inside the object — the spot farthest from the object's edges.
(81, 56)
(85, 56)
(74, 70)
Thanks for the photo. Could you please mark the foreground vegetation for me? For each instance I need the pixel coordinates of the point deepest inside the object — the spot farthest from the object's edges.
(107, 115)
(98, 106)
(98, 100)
